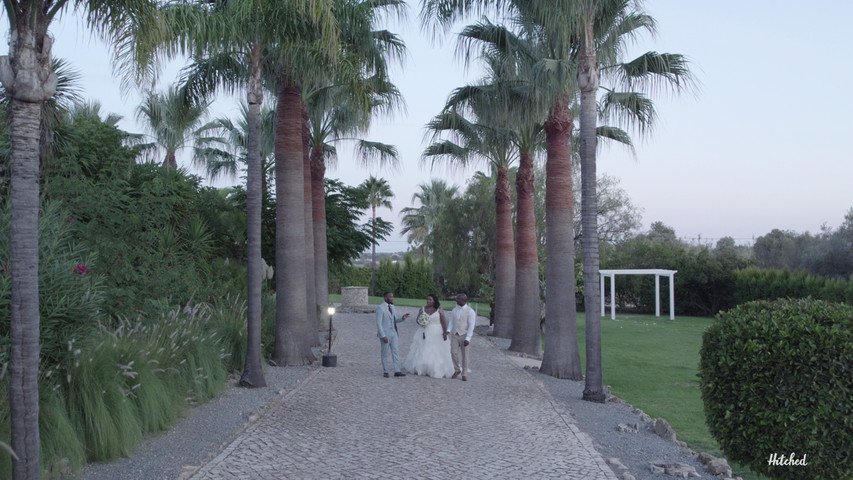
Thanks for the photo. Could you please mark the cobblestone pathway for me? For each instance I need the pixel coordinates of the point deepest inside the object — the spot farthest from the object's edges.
(350, 422)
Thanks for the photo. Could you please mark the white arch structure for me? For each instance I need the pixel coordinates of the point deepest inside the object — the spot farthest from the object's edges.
(652, 271)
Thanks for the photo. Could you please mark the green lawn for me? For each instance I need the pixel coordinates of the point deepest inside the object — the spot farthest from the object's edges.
(652, 363)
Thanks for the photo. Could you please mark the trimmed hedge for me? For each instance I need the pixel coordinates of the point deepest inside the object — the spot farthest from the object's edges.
(758, 284)
(777, 378)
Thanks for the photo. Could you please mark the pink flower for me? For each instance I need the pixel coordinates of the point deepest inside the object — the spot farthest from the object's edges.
(81, 269)
(5, 268)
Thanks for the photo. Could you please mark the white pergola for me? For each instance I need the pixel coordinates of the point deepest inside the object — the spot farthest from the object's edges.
(651, 271)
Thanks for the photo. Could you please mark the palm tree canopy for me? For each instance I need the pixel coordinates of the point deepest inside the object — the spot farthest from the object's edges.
(173, 122)
(378, 192)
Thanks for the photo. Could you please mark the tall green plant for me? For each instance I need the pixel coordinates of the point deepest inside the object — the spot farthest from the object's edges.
(72, 288)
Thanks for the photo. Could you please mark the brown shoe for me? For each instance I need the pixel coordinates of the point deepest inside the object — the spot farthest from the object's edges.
(399, 374)
(385, 374)
(455, 374)
(464, 378)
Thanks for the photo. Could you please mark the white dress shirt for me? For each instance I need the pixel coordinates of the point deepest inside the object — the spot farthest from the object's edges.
(457, 313)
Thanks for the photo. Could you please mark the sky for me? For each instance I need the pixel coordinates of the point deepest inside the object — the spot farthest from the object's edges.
(759, 145)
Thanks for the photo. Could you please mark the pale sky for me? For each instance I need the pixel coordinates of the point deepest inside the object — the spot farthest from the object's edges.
(760, 146)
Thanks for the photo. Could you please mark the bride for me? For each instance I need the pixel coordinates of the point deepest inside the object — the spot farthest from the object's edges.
(430, 354)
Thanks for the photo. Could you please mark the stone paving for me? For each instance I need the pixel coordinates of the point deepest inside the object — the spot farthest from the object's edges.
(351, 422)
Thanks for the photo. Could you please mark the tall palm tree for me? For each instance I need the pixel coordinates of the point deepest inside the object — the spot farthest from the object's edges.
(29, 79)
(480, 139)
(604, 27)
(561, 358)
(508, 59)
(336, 115)
(241, 60)
(420, 223)
(301, 66)
(341, 105)
(173, 122)
(379, 194)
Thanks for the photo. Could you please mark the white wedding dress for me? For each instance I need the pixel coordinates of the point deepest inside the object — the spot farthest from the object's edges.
(429, 353)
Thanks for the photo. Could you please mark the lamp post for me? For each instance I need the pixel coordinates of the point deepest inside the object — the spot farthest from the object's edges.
(330, 360)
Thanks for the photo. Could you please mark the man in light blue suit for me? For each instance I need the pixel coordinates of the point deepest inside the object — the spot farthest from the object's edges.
(386, 326)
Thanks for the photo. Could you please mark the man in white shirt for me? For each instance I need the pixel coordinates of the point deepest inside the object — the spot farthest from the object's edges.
(461, 328)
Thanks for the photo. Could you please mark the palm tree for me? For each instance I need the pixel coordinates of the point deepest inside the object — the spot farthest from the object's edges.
(509, 59)
(335, 115)
(173, 122)
(378, 195)
(420, 223)
(235, 135)
(302, 65)
(29, 79)
(341, 105)
(241, 59)
(492, 142)
(561, 358)
(604, 26)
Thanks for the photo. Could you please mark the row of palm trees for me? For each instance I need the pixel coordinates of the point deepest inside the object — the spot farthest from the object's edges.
(543, 73)
(310, 53)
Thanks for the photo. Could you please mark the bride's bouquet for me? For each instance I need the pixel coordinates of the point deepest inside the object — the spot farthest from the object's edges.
(423, 321)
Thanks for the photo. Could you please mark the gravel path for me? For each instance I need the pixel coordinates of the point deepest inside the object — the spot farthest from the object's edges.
(206, 429)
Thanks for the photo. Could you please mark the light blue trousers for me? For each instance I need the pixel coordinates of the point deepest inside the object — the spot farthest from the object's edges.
(395, 356)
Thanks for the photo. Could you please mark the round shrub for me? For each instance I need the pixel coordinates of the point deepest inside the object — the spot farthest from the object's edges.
(777, 378)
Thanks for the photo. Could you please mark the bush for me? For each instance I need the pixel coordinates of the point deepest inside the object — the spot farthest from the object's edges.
(776, 377)
(757, 284)
(70, 287)
(407, 279)
(347, 276)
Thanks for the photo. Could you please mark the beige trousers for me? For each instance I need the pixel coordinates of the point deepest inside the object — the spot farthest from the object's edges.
(457, 343)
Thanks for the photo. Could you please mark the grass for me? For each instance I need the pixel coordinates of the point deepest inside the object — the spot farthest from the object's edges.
(652, 363)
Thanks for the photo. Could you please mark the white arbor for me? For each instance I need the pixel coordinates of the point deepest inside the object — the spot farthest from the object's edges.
(652, 271)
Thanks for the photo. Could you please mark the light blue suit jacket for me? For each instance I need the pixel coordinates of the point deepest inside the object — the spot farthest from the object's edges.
(385, 320)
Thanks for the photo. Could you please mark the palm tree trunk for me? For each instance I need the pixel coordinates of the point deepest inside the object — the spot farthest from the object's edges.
(29, 81)
(24, 328)
(504, 257)
(373, 253)
(170, 161)
(253, 372)
(310, 277)
(561, 358)
(321, 257)
(526, 336)
(588, 81)
(291, 344)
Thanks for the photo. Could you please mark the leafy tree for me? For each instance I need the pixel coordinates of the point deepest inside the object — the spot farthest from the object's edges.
(771, 250)
(346, 238)
(468, 223)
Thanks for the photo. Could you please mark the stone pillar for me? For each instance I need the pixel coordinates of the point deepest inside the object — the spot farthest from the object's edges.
(354, 300)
